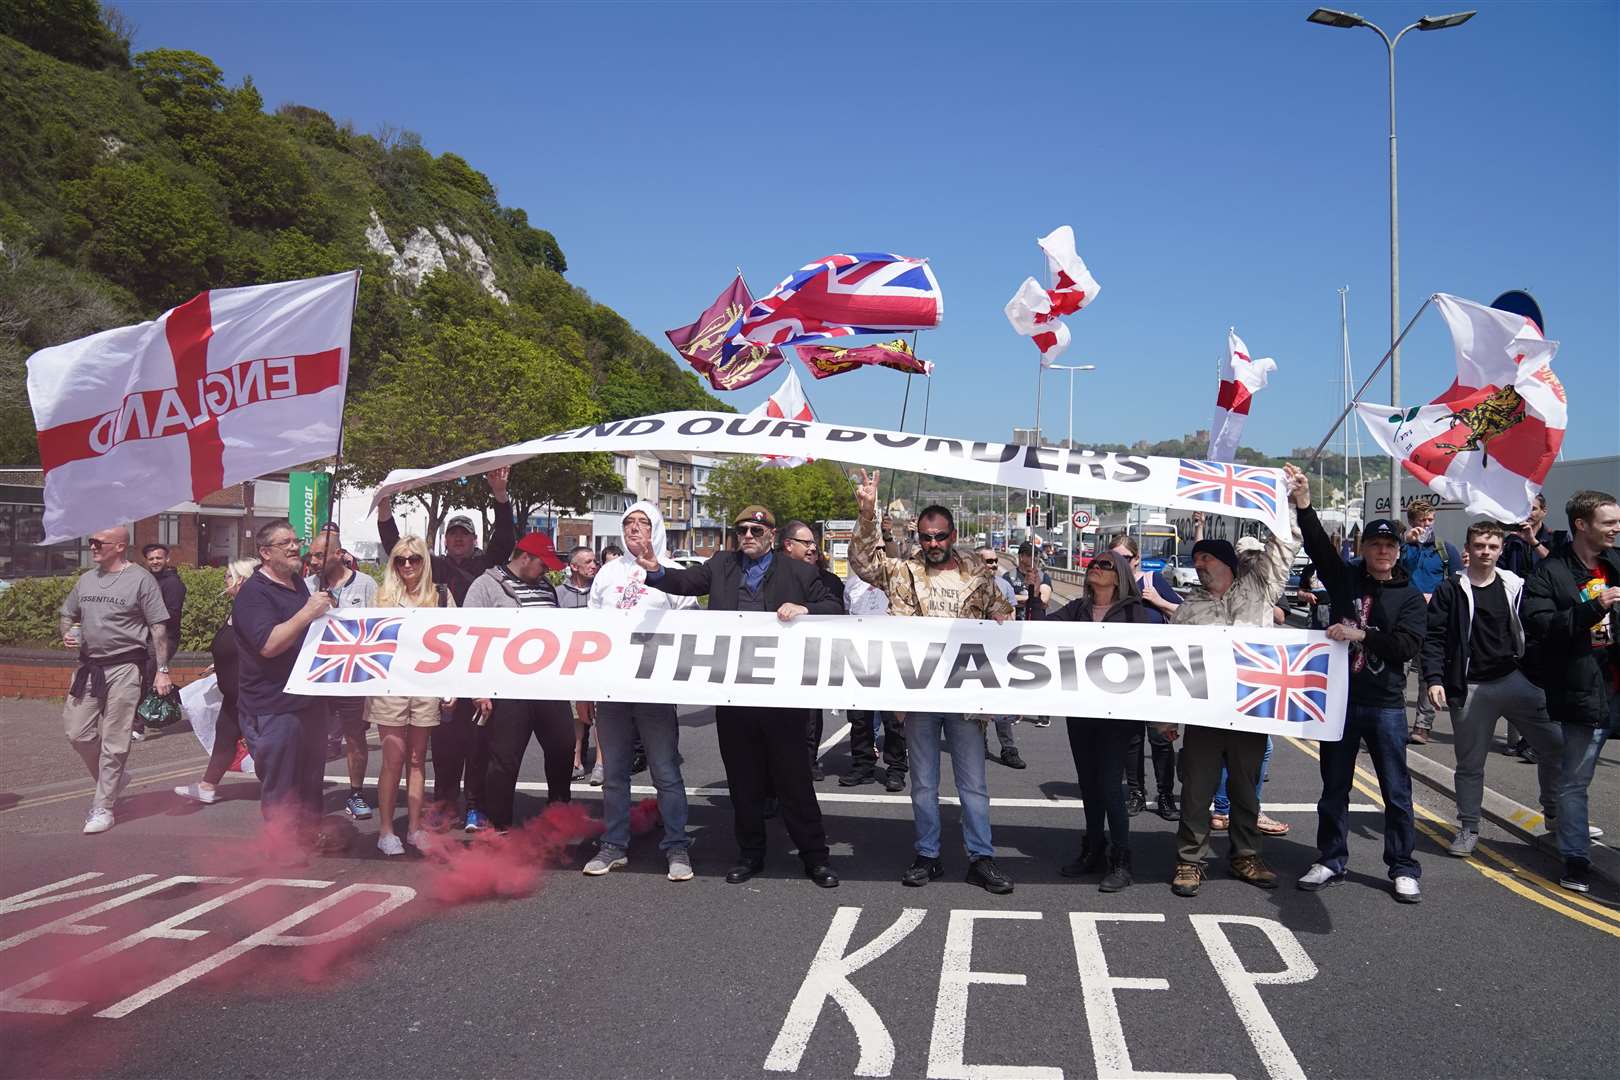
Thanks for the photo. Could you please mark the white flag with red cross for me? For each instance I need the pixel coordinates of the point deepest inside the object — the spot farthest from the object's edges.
(1489, 439)
(787, 402)
(232, 384)
(1031, 314)
(1241, 379)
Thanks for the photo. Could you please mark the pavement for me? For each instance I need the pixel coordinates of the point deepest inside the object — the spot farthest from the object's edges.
(166, 947)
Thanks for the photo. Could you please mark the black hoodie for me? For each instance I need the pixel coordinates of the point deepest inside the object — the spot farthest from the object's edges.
(1391, 612)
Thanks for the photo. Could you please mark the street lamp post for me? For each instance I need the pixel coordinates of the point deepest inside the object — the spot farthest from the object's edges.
(1069, 443)
(1344, 20)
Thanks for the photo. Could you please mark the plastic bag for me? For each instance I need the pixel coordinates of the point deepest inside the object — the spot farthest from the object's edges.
(159, 710)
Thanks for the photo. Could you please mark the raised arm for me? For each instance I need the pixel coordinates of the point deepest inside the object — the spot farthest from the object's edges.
(1270, 575)
(866, 555)
(503, 534)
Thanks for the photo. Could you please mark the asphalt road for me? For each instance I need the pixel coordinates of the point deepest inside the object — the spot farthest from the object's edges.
(490, 965)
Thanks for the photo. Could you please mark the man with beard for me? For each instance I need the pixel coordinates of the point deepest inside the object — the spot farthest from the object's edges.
(763, 749)
(941, 582)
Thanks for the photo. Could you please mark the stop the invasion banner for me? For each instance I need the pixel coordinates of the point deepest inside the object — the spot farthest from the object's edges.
(1218, 487)
(1269, 680)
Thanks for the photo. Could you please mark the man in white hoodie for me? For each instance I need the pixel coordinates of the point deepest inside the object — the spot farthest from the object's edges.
(622, 584)
(1472, 665)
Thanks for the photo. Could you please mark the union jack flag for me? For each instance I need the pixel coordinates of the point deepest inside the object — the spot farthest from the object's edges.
(1244, 487)
(842, 295)
(1282, 682)
(355, 650)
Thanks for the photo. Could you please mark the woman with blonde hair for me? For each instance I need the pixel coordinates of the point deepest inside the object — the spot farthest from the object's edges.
(404, 723)
(227, 731)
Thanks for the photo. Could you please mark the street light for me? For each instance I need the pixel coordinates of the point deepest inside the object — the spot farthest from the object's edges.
(1344, 20)
(1071, 369)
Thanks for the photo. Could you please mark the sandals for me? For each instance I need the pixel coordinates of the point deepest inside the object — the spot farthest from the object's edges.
(1219, 822)
(1270, 826)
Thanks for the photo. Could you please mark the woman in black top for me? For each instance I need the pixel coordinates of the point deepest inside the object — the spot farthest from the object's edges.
(1097, 744)
(227, 732)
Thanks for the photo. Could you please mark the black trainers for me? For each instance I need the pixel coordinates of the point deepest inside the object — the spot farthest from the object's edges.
(1135, 802)
(1577, 876)
(983, 872)
(1010, 758)
(856, 778)
(1092, 860)
(1168, 808)
(921, 871)
(894, 781)
(1119, 871)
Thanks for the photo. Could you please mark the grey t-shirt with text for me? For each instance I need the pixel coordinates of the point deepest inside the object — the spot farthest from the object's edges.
(115, 610)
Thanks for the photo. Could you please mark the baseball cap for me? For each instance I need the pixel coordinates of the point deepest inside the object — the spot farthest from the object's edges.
(1381, 529)
(461, 521)
(539, 545)
(756, 514)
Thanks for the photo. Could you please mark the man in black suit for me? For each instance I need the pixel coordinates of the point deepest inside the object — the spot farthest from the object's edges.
(763, 749)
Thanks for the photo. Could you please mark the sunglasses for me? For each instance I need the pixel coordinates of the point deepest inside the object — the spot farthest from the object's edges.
(407, 560)
(97, 545)
(752, 530)
(799, 540)
(934, 536)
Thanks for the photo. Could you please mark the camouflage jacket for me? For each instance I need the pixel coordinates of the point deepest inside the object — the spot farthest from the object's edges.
(905, 581)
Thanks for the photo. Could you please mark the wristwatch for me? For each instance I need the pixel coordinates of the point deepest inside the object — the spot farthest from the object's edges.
(163, 669)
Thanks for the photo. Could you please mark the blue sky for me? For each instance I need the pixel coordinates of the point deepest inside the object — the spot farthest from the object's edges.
(1222, 164)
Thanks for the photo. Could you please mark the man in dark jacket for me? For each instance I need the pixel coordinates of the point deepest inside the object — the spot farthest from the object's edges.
(460, 745)
(1569, 614)
(1375, 609)
(763, 749)
(1471, 666)
(799, 542)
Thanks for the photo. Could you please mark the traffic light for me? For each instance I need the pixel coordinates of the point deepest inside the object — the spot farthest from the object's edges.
(1031, 516)
(1051, 518)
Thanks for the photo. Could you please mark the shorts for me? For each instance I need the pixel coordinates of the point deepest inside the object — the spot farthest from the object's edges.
(345, 716)
(420, 712)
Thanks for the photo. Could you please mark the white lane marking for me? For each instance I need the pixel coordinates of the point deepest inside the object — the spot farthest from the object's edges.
(834, 739)
(275, 935)
(828, 977)
(1097, 987)
(1240, 983)
(34, 898)
(897, 800)
(947, 1045)
(70, 925)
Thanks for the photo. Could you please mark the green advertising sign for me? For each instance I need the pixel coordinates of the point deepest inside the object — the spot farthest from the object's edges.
(309, 494)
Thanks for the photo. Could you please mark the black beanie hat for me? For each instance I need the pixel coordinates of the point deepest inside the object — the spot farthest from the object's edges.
(1220, 549)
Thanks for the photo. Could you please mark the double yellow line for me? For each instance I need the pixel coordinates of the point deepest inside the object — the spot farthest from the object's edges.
(1527, 883)
(193, 769)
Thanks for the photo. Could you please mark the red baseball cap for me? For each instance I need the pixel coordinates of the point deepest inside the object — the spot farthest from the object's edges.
(539, 545)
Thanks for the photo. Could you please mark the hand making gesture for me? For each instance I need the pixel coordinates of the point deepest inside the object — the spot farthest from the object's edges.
(1299, 486)
(866, 493)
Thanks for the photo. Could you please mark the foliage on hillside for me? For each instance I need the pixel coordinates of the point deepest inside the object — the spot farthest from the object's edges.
(131, 183)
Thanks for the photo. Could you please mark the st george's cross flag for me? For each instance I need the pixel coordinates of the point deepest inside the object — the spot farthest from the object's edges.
(1241, 379)
(1030, 312)
(786, 403)
(1489, 439)
(1073, 287)
(232, 384)
(842, 295)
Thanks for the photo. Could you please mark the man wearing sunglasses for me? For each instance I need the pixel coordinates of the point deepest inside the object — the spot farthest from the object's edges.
(940, 582)
(112, 616)
(763, 749)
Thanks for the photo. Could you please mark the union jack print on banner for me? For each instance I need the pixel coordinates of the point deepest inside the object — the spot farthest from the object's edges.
(1282, 682)
(355, 650)
(1241, 486)
(841, 295)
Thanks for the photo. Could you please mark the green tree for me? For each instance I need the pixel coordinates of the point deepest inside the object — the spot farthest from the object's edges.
(817, 491)
(186, 86)
(71, 30)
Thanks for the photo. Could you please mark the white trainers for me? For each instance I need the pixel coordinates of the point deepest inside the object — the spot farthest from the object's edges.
(1317, 878)
(1407, 891)
(197, 793)
(389, 844)
(420, 839)
(680, 865)
(607, 858)
(99, 821)
(1462, 845)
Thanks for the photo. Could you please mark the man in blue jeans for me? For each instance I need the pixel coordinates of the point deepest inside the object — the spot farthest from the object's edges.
(939, 581)
(1375, 609)
(1569, 615)
(285, 733)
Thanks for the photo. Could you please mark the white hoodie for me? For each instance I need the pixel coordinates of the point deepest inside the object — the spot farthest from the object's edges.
(622, 583)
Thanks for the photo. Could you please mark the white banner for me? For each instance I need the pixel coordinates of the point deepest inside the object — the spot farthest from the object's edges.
(1272, 680)
(1259, 494)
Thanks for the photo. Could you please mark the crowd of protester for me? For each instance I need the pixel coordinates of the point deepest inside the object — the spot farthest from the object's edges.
(1519, 625)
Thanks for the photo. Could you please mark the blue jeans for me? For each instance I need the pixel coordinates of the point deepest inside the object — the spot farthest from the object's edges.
(966, 740)
(1582, 744)
(289, 757)
(1384, 730)
(616, 725)
(1222, 804)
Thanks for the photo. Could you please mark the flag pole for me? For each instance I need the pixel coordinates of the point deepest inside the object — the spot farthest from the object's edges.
(1363, 388)
(916, 492)
(334, 507)
(905, 402)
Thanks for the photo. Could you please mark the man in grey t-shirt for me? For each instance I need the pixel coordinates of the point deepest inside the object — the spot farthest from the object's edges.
(112, 615)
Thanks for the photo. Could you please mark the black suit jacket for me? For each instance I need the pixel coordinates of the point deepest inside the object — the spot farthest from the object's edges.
(788, 581)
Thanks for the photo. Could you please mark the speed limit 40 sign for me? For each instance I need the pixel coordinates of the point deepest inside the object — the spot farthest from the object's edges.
(1081, 519)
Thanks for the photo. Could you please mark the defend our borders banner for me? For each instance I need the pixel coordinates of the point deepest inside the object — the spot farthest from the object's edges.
(1259, 494)
(1276, 681)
